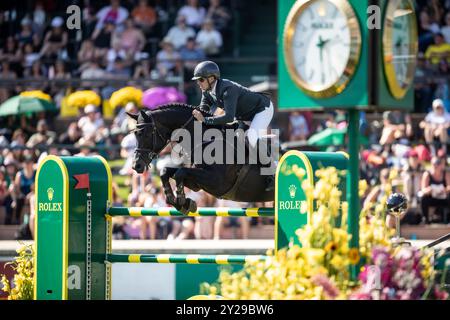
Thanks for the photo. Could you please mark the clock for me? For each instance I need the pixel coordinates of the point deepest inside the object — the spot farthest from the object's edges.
(400, 46)
(322, 46)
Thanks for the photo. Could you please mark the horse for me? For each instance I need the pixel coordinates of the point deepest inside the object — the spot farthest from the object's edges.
(242, 182)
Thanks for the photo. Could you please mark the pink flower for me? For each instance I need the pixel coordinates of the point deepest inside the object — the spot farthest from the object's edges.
(329, 288)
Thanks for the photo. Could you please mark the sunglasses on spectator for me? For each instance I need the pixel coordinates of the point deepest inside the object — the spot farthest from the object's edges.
(201, 80)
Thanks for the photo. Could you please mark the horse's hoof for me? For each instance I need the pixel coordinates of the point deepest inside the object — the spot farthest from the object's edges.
(189, 206)
(192, 205)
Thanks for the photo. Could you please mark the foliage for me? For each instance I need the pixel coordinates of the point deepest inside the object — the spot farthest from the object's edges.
(23, 279)
(319, 268)
(36, 94)
(82, 98)
(404, 273)
(127, 94)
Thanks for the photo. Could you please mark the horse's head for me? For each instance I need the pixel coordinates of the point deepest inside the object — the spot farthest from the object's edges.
(151, 140)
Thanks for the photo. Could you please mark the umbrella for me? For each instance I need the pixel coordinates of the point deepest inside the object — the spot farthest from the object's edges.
(20, 104)
(327, 137)
(157, 96)
(332, 137)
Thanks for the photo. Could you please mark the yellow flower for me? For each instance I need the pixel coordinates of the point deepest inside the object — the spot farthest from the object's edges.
(330, 246)
(36, 94)
(82, 98)
(353, 256)
(127, 94)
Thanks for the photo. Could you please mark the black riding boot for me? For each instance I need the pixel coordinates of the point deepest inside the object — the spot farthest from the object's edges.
(270, 183)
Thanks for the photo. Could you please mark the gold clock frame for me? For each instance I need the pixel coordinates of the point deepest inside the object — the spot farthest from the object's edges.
(397, 91)
(355, 49)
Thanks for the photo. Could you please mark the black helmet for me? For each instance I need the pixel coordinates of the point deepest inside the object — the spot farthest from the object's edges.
(397, 202)
(206, 69)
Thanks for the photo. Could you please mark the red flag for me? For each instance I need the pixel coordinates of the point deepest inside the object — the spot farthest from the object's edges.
(82, 181)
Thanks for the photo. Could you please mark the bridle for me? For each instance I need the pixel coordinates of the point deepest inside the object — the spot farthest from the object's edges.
(155, 132)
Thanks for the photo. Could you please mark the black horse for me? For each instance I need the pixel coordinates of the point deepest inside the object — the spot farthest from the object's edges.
(238, 182)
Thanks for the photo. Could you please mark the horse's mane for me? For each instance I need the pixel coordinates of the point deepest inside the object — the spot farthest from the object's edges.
(177, 106)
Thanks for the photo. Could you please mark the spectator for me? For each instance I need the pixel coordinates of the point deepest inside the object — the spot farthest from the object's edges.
(204, 226)
(209, 39)
(191, 55)
(298, 127)
(26, 35)
(103, 39)
(128, 145)
(435, 188)
(86, 146)
(379, 192)
(144, 16)
(219, 14)
(113, 13)
(71, 136)
(92, 71)
(120, 70)
(220, 222)
(167, 59)
(438, 51)
(36, 72)
(5, 195)
(426, 30)
(86, 54)
(412, 177)
(132, 39)
(435, 10)
(43, 137)
(143, 67)
(55, 40)
(149, 225)
(435, 125)
(194, 13)
(445, 30)
(30, 56)
(5, 74)
(179, 33)
(39, 17)
(91, 123)
(397, 125)
(31, 199)
(89, 22)
(122, 121)
(11, 53)
(422, 85)
(22, 187)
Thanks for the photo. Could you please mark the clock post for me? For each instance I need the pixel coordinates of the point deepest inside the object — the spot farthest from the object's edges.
(329, 59)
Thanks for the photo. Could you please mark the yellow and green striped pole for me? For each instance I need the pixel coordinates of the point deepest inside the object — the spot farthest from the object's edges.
(212, 212)
(184, 258)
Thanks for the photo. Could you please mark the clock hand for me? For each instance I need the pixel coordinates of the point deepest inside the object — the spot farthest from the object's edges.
(320, 45)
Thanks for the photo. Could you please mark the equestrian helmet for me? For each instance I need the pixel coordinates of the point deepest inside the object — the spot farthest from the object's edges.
(206, 69)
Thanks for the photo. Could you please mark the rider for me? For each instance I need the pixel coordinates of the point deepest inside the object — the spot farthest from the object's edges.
(238, 102)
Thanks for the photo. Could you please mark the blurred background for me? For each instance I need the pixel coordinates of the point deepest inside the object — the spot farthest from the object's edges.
(65, 92)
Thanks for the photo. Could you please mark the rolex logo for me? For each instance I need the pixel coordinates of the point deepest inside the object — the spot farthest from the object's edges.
(292, 191)
(50, 193)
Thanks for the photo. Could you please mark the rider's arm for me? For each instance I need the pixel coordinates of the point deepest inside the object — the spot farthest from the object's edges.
(205, 103)
(230, 97)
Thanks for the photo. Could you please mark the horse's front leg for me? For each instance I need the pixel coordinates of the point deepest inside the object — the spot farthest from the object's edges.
(183, 205)
(165, 174)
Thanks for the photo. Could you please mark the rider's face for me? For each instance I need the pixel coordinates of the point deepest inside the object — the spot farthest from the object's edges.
(203, 83)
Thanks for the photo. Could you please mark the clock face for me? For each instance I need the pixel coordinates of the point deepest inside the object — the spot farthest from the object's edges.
(322, 43)
(400, 46)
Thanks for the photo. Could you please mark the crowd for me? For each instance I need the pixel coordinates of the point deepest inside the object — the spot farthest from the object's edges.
(116, 42)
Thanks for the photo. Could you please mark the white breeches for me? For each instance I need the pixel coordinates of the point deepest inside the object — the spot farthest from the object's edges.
(259, 124)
